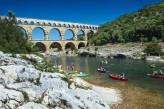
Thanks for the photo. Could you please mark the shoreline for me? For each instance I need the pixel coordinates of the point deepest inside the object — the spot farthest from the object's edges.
(129, 50)
(110, 95)
(40, 89)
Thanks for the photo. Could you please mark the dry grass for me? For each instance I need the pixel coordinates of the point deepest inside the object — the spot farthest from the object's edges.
(133, 97)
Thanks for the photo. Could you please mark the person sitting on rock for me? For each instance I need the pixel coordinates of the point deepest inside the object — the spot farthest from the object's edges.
(70, 76)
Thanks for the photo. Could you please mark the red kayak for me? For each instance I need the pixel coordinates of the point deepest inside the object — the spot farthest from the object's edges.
(118, 77)
(155, 76)
(102, 70)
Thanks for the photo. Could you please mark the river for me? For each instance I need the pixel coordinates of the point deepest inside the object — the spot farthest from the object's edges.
(134, 70)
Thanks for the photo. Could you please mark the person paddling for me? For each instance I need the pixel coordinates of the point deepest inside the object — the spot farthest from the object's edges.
(121, 75)
(161, 72)
(155, 73)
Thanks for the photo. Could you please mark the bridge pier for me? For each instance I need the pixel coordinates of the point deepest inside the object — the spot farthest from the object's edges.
(75, 37)
(46, 37)
(29, 36)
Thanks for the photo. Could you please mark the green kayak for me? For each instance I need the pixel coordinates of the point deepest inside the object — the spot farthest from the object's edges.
(72, 72)
(81, 74)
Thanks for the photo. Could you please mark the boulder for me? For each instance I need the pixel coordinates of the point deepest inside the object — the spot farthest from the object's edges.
(10, 98)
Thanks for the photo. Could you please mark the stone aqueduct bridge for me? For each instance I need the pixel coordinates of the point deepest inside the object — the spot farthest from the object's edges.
(29, 24)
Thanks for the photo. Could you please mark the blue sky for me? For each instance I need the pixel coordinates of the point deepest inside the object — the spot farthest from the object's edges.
(94, 12)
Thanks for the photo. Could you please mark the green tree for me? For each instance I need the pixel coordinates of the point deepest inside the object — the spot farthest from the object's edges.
(11, 37)
(153, 48)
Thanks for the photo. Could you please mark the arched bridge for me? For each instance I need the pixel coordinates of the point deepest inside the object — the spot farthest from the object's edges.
(29, 24)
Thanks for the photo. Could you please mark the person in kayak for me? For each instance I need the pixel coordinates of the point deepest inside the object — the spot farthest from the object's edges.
(161, 72)
(152, 66)
(155, 73)
(121, 76)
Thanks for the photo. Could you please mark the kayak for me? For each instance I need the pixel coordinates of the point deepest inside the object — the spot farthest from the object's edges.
(118, 77)
(102, 71)
(155, 76)
(81, 74)
(71, 72)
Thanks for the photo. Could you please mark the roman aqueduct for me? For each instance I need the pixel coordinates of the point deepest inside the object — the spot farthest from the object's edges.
(28, 24)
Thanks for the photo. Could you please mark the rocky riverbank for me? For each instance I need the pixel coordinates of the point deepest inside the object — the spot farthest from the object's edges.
(22, 86)
(133, 51)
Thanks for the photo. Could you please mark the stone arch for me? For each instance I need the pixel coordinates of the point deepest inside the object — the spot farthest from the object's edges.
(53, 24)
(73, 26)
(69, 26)
(43, 24)
(49, 24)
(19, 22)
(70, 46)
(56, 32)
(23, 31)
(77, 26)
(55, 46)
(69, 34)
(90, 34)
(38, 33)
(80, 34)
(37, 24)
(64, 25)
(59, 25)
(31, 23)
(81, 44)
(40, 46)
(25, 23)
(80, 26)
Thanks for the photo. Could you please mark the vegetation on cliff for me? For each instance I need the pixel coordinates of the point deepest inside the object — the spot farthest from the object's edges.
(142, 25)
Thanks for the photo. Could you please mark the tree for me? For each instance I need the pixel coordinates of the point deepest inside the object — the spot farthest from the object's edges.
(11, 37)
(153, 48)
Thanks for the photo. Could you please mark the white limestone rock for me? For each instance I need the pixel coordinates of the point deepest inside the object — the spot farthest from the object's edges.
(10, 98)
(32, 56)
(1, 86)
(32, 105)
(53, 83)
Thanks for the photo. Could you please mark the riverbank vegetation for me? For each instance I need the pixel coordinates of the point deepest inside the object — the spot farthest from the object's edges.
(142, 25)
(154, 48)
(12, 39)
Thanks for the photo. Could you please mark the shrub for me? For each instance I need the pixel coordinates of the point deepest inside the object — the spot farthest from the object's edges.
(153, 48)
(96, 48)
(67, 80)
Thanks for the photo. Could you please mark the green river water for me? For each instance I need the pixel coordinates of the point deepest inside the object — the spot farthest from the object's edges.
(134, 70)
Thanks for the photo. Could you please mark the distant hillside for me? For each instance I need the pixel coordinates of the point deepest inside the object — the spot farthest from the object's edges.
(144, 24)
